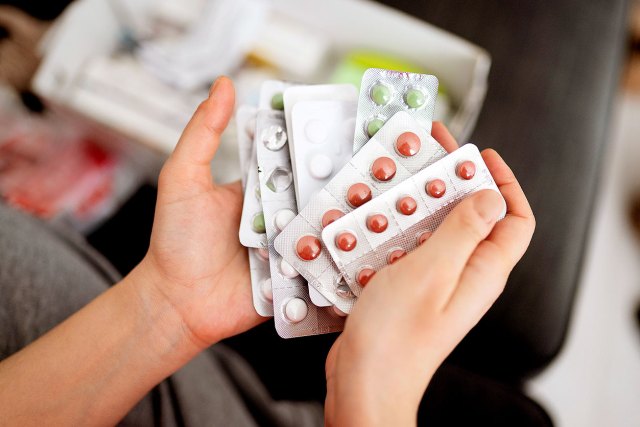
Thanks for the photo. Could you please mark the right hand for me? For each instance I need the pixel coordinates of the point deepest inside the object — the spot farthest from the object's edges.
(413, 313)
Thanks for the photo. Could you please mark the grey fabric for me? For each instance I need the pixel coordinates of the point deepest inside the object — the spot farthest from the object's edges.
(46, 275)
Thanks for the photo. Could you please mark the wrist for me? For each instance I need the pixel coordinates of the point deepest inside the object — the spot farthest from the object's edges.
(169, 337)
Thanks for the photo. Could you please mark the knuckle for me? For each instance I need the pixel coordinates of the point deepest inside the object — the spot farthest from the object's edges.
(471, 223)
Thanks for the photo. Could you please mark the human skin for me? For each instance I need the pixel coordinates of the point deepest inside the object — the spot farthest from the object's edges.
(193, 289)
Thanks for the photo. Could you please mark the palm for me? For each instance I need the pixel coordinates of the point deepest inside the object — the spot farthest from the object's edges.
(203, 269)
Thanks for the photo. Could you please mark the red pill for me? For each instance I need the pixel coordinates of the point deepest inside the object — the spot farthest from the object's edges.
(383, 169)
(364, 276)
(408, 144)
(358, 194)
(377, 223)
(346, 241)
(436, 188)
(330, 216)
(395, 255)
(308, 248)
(424, 237)
(406, 205)
(466, 169)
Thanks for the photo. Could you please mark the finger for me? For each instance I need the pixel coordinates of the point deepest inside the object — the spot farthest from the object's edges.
(201, 138)
(441, 134)
(441, 260)
(488, 268)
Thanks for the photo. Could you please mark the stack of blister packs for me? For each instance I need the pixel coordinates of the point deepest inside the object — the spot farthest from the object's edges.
(337, 186)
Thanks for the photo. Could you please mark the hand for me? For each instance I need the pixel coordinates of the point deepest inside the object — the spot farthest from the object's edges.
(413, 313)
(195, 259)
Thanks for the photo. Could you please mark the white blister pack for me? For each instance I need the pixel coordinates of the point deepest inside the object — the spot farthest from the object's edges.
(294, 314)
(258, 258)
(323, 139)
(383, 93)
(392, 225)
(322, 128)
(252, 230)
(245, 130)
(400, 149)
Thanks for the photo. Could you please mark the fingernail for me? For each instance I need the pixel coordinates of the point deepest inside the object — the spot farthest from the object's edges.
(489, 205)
(214, 86)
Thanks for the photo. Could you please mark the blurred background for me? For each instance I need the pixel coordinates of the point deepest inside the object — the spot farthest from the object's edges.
(94, 95)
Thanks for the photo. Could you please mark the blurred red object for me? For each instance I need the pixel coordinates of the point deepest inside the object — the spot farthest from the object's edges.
(49, 176)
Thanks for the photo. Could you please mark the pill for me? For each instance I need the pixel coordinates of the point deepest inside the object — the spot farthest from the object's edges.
(343, 291)
(257, 224)
(287, 270)
(320, 166)
(316, 131)
(383, 169)
(424, 237)
(346, 241)
(374, 125)
(295, 310)
(364, 275)
(358, 194)
(308, 247)
(406, 205)
(266, 289)
(331, 215)
(380, 94)
(466, 169)
(282, 218)
(277, 101)
(408, 144)
(377, 223)
(263, 253)
(274, 137)
(395, 255)
(436, 188)
(415, 98)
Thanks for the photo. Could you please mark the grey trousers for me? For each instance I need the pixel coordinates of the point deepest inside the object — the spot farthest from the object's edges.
(47, 274)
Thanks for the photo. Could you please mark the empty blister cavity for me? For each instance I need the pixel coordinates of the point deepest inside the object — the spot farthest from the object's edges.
(383, 93)
(261, 281)
(413, 224)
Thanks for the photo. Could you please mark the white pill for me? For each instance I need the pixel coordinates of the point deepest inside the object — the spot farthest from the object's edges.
(287, 270)
(316, 131)
(339, 312)
(282, 218)
(320, 166)
(295, 310)
(267, 289)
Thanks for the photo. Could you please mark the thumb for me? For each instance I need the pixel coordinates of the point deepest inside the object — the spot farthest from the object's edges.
(201, 138)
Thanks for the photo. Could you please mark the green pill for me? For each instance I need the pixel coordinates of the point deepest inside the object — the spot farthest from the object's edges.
(415, 98)
(277, 102)
(258, 223)
(374, 126)
(381, 94)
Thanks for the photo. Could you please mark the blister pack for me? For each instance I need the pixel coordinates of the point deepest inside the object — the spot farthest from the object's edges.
(323, 138)
(245, 130)
(392, 225)
(252, 228)
(294, 314)
(317, 156)
(258, 258)
(383, 93)
(400, 149)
